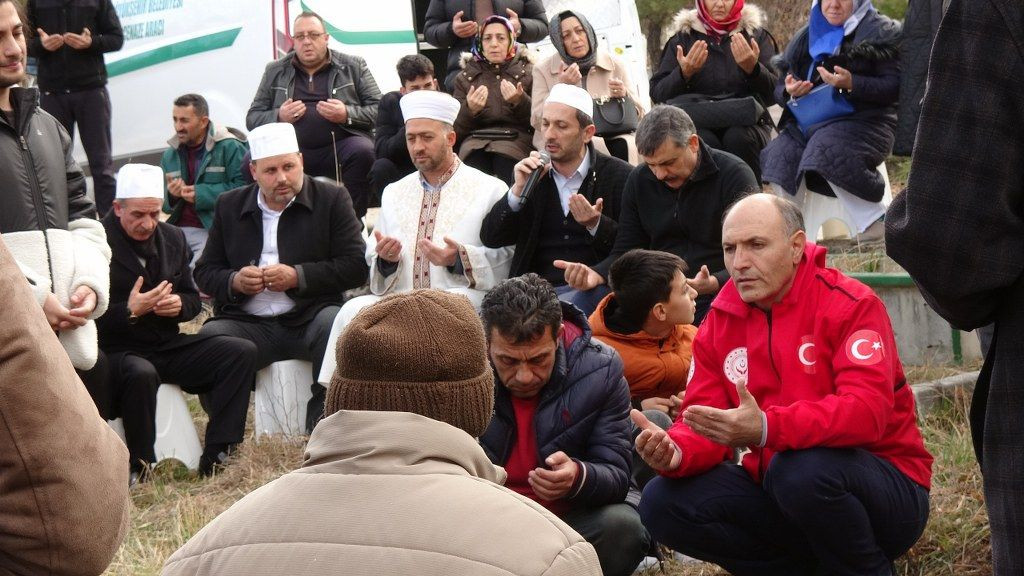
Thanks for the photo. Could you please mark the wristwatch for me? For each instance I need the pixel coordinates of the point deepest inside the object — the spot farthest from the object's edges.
(132, 318)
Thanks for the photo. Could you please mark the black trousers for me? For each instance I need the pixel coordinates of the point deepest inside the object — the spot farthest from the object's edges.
(90, 109)
(385, 172)
(743, 141)
(276, 342)
(221, 367)
(497, 165)
(615, 532)
(818, 511)
(353, 157)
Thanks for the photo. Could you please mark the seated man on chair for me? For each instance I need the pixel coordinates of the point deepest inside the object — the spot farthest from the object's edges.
(281, 253)
(560, 426)
(796, 363)
(151, 291)
(428, 232)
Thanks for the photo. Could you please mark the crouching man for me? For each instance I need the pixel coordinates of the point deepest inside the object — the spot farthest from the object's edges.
(561, 426)
(797, 363)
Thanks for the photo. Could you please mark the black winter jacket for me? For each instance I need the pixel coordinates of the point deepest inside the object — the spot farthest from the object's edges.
(68, 68)
(150, 332)
(583, 411)
(686, 222)
(318, 235)
(437, 27)
(43, 187)
(503, 227)
(389, 137)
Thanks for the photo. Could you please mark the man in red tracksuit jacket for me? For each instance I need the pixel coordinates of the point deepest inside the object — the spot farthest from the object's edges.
(797, 363)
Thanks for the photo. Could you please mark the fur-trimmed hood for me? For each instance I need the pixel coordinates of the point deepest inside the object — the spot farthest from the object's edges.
(752, 18)
(523, 53)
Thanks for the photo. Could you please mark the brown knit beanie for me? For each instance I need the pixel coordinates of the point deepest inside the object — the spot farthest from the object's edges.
(421, 351)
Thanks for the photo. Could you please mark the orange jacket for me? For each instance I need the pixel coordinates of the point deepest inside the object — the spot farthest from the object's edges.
(654, 367)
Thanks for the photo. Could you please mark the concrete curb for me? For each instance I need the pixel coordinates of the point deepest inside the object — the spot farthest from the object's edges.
(928, 395)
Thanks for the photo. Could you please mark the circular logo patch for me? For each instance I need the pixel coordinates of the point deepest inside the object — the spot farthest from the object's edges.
(735, 365)
(864, 347)
(693, 368)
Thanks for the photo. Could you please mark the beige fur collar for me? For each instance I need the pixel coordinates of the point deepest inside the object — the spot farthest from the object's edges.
(686, 20)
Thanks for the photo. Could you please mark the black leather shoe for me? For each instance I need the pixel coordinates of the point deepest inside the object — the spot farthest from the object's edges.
(214, 459)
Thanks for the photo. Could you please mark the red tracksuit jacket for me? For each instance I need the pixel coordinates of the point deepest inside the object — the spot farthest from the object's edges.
(822, 365)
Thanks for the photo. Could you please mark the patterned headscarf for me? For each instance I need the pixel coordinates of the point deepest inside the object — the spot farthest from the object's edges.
(478, 43)
(555, 32)
(715, 28)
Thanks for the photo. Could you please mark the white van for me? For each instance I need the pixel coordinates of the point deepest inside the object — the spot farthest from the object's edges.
(219, 49)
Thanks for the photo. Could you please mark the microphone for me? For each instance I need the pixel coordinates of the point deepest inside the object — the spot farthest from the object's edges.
(531, 182)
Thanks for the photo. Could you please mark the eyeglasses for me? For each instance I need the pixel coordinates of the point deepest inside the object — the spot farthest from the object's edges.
(314, 36)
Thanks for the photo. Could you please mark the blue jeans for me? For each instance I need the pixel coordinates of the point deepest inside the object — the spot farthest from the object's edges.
(818, 511)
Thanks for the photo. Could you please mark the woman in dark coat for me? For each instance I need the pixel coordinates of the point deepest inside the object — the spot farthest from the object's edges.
(721, 50)
(850, 46)
(494, 88)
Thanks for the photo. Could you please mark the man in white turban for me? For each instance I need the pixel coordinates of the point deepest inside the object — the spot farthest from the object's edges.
(428, 232)
(280, 254)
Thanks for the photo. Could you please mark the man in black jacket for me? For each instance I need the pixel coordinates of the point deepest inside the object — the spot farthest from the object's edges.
(331, 98)
(674, 202)
(416, 73)
(572, 212)
(280, 254)
(70, 40)
(561, 427)
(453, 24)
(151, 292)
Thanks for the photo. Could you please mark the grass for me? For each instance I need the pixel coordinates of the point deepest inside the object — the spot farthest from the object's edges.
(172, 507)
(956, 540)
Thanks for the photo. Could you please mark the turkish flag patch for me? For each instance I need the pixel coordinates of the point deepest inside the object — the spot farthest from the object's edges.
(864, 348)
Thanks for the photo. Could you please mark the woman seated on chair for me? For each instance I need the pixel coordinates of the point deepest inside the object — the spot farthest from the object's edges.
(849, 51)
(579, 61)
(718, 68)
(494, 88)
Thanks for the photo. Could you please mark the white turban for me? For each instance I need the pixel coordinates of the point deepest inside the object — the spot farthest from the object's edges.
(429, 104)
(573, 96)
(140, 181)
(272, 140)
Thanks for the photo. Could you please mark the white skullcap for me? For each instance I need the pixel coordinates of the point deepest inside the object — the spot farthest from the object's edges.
(573, 96)
(140, 181)
(272, 140)
(429, 104)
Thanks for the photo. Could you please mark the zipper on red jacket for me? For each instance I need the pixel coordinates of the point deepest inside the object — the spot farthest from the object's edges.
(771, 360)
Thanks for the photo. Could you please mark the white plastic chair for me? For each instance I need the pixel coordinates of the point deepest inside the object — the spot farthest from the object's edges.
(827, 213)
(282, 392)
(176, 435)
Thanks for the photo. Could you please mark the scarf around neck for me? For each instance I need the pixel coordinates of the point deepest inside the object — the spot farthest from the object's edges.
(477, 50)
(715, 29)
(555, 32)
(824, 39)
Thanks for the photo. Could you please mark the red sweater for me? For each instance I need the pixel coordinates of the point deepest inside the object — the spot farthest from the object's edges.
(822, 365)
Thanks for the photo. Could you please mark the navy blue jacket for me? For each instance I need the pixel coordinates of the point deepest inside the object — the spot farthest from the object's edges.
(583, 411)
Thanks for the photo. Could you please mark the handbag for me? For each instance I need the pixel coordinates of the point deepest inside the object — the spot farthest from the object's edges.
(615, 116)
(822, 103)
(713, 112)
(495, 134)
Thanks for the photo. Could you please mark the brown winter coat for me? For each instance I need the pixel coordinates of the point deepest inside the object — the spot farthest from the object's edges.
(387, 493)
(63, 471)
(497, 113)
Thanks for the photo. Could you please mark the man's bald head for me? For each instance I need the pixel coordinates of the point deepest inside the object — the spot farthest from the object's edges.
(763, 241)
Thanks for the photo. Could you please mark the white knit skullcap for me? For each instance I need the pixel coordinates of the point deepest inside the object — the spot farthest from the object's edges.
(573, 96)
(140, 181)
(272, 140)
(429, 104)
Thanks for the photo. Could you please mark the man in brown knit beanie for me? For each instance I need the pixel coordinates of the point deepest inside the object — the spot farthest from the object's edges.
(394, 465)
